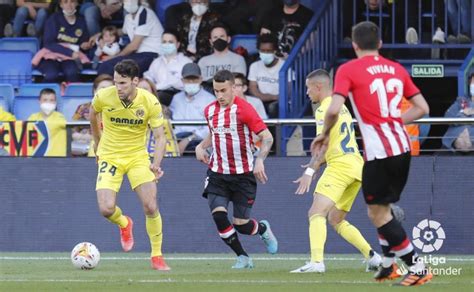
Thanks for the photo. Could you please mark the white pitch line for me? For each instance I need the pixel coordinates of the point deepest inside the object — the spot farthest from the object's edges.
(217, 258)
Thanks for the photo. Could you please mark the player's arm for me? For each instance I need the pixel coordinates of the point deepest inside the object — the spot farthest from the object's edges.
(304, 181)
(201, 153)
(160, 148)
(95, 127)
(267, 141)
(418, 110)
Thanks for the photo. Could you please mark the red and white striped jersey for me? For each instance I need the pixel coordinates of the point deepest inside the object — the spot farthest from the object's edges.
(377, 86)
(231, 132)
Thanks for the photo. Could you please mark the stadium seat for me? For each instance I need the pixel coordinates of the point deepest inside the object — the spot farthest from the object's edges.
(34, 89)
(248, 41)
(24, 106)
(6, 92)
(78, 89)
(17, 44)
(4, 104)
(15, 67)
(70, 104)
(161, 6)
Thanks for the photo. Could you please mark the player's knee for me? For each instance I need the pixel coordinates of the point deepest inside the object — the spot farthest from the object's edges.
(221, 220)
(150, 208)
(334, 220)
(106, 210)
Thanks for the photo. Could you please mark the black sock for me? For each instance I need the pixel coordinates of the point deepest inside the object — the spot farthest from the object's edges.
(251, 228)
(227, 233)
(398, 241)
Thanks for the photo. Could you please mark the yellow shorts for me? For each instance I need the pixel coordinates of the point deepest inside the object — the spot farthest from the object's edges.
(339, 187)
(111, 171)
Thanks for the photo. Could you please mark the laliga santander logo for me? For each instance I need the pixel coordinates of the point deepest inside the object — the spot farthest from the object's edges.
(428, 236)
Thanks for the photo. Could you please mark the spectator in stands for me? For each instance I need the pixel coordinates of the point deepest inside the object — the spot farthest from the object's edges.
(263, 74)
(461, 12)
(48, 106)
(165, 71)
(100, 11)
(189, 105)
(288, 22)
(36, 10)
(107, 45)
(65, 35)
(241, 87)
(5, 116)
(144, 30)
(413, 130)
(7, 11)
(149, 86)
(194, 29)
(222, 58)
(247, 16)
(461, 137)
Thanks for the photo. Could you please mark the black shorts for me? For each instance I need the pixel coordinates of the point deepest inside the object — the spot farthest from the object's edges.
(240, 189)
(383, 180)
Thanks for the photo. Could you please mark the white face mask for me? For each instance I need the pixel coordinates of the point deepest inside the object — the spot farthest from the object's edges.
(199, 9)
(471, 89)
(71, 13)
(47, 108)
(192, 88)
(130, 6)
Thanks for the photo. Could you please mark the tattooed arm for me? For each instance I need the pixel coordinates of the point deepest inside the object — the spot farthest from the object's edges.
(267, 142)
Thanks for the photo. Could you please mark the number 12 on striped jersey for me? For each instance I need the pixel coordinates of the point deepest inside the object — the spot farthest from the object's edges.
(393, 85)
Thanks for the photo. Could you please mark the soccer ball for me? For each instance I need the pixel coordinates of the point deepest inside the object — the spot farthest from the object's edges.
(85, 256)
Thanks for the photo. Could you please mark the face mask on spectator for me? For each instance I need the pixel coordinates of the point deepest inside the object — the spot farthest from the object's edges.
(168, 49)
(267, 58)
(220, 45)
(47, 108)
(130, 6)
(290, 2)
(69, 13)
(471, 89)
(199, 9)
(192, 88)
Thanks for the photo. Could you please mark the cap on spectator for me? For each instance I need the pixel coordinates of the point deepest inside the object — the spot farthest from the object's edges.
(191, 70)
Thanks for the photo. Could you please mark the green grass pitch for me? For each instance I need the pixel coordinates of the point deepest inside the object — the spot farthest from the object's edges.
(205, 272)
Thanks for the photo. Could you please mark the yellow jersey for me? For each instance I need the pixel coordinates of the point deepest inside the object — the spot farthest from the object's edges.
(342, 150)
(125, 126)
(6, 116)
(53, 117)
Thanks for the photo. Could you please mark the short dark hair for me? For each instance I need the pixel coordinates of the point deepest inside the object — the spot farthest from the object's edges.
(173, 33)
(112, 29)
(223, 76)
(219, 25)
(319, 73)
(366, 35)
(47, 90)
(267, 38)
(240, 76)
(127, 68)
(99, 79)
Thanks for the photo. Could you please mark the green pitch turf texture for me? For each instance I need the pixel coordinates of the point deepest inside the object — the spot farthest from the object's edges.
(205, 272)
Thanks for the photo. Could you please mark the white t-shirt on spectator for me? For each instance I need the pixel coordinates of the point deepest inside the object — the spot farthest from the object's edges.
(228, 61)
(258, 106)
(166, 73)
(145, 24)
(266, 78)
(193, 31)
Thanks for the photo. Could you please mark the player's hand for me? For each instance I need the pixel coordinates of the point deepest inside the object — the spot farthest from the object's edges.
(259, 171)
(304, 183)
(201, 155)
(309, 165)
(319, 145)
(156, 169)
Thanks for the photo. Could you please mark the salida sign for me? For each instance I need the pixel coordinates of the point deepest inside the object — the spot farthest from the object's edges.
(24, 138)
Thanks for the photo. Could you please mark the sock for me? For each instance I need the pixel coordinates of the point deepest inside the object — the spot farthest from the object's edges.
(352, 235)
(118, 218)
(227, 232)
(317, 237)
(398, 241)
(389, 257)
(154, 229)
(251, 228)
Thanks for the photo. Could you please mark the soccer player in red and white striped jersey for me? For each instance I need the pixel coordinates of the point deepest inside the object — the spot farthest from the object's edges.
(232, 174)
(375, 87)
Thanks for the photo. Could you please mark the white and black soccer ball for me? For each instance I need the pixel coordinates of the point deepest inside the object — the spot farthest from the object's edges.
(85, 256)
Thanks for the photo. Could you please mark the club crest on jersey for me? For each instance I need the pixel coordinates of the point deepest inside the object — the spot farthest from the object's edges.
(78, 32)
(140, 113)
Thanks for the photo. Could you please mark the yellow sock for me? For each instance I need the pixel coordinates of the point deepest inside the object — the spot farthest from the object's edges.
(353, 236)
(154, 230)
(317, 237)
(118, 218)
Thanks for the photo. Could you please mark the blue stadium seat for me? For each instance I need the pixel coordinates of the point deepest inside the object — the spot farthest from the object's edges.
(248, 41)
(6, 91)
(17, 44)
(15, 67)
(4, 104)
(34, 89)
(161, 6)
(70, 104)
(78, 89)
(24, 106)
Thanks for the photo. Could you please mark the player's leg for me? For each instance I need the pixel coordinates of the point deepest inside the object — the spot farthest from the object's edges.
(109, 180)
(142, 182)
(349, 232)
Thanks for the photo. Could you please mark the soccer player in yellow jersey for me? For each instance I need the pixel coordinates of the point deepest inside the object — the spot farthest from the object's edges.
(126, 112)
(339, 184)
